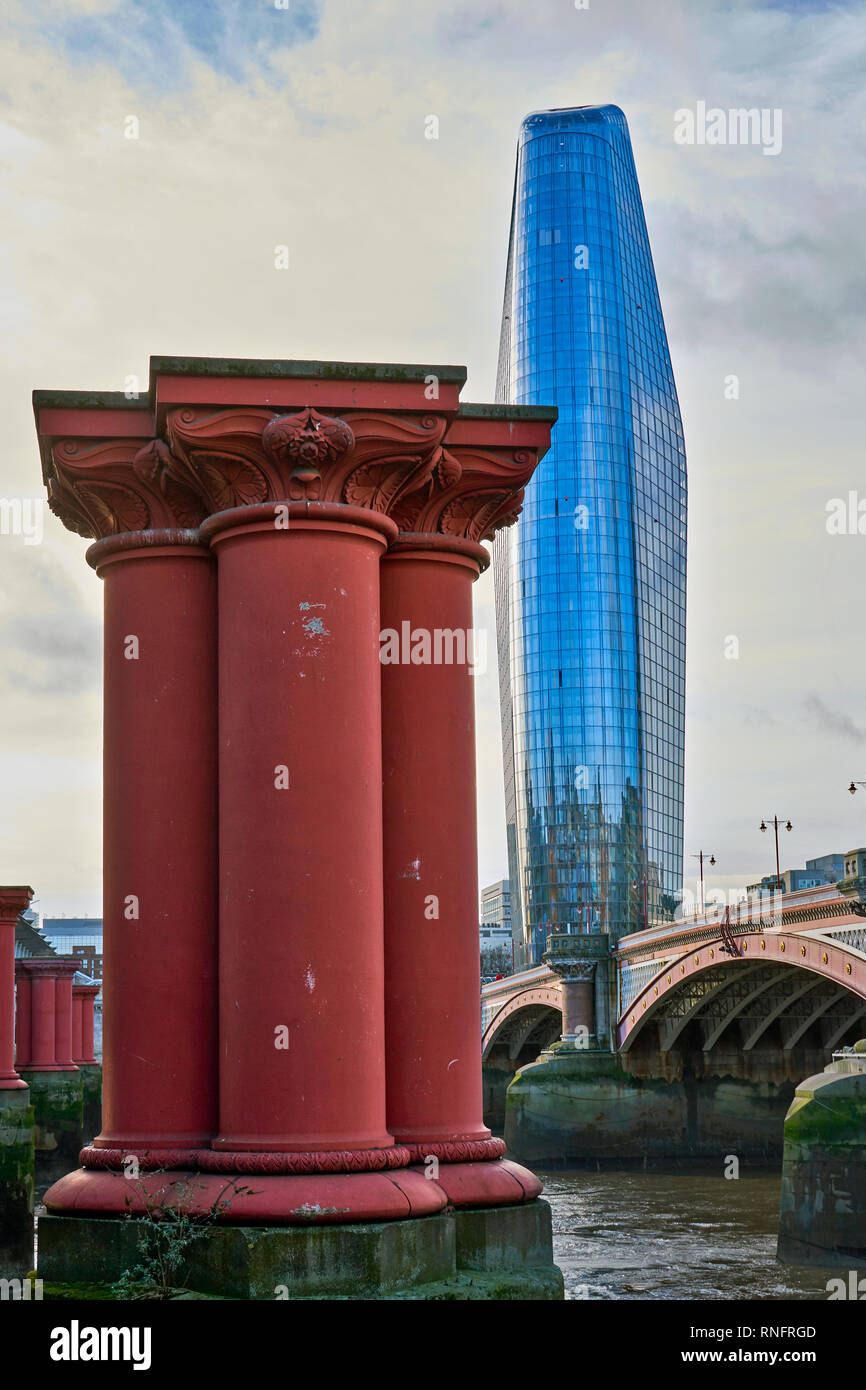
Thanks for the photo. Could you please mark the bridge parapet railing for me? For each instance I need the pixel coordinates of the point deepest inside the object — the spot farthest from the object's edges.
(633, 979)
(852, 937)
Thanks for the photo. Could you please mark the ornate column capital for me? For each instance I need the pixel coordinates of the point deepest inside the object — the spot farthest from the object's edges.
(13, 901)
(573, 957)
(425, 471)
(238, 457)
(55, 966)
(115, 486)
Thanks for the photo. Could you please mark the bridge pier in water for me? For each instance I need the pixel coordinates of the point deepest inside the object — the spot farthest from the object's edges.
(713, 1030)
(290, 1044)
(822, 1218)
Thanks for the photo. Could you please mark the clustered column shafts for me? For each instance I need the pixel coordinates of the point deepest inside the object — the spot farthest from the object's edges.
(44, 1014)
(433, 979)
(274, 1002)
(13, 901)
(160, 849)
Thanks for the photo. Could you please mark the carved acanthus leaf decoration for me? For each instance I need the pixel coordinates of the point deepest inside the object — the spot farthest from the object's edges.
(116, 486)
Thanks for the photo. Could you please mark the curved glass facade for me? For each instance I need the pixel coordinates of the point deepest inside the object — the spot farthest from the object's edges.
(591, 582)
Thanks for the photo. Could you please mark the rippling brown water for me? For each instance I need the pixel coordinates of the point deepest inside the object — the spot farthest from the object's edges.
(672, 1236)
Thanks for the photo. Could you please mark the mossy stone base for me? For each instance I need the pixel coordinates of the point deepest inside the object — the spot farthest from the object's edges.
(91, 1091)
(16, 1184)
(499, 1252)
(58, 1104)
(822, 1219)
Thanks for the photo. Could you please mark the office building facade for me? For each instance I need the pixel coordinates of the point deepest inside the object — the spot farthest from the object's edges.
(590, 585)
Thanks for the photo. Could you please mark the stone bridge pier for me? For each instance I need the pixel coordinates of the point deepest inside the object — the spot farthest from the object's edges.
(291, 970)
(714, 1025)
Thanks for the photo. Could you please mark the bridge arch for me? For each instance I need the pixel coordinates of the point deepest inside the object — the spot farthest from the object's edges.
(533, 1016)
(790, 981)
(526, 1023)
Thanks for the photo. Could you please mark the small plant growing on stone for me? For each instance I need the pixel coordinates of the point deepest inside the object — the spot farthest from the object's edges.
(165, 1236)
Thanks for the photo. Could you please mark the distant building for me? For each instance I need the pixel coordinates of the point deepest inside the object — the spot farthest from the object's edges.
(831, 864)
(77, 936)
(828, 868)
(590, 584)
(496, 903)
(496, 950)
(855, 864)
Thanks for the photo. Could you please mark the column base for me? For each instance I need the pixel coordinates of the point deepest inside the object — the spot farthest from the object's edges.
(12, 1082)
(500, 1183)
(248, 1198)
(500, 1253)
(293, 1199)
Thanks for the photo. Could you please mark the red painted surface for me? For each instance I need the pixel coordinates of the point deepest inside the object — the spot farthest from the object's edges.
(61, 422)
(63, 1016)
(23, 1010)
(160, 852)
(277, 393)
(84, 997)
(307, 1006)
(44, 1025)
(13, 901)
(43, 1054)
(300, 865)
(76, 1023)
(487, 1184)
(297, 1200)
(432, 966)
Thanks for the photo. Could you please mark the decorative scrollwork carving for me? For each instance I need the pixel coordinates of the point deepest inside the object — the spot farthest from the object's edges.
(229, 1161)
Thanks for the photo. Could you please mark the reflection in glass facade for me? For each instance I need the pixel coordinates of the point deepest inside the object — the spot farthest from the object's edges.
(591, 582)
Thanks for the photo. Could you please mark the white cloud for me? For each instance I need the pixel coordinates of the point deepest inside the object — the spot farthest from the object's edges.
(117, 248)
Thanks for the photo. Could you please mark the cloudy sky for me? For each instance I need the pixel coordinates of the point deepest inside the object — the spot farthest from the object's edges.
(304, 125)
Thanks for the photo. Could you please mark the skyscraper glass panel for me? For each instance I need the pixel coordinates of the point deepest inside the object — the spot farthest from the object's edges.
(591, 582)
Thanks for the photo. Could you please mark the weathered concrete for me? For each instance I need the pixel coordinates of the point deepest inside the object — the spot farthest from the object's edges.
(91, 1088)
(496, 1077)
(16, 1184)
(503, 1252)
(576, 1107)
(823, 1203)
(58, 1105)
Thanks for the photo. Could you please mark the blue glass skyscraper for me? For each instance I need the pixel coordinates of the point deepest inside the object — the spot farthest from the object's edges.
(591, 583)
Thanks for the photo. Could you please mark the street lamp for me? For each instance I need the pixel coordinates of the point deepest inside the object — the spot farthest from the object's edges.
(854, 785)
(711, 859)
(788, 826)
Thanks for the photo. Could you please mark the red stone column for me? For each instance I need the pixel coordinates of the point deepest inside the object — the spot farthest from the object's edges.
(91, 993)
(432, 966)
(76, 1022)
(302, 1065)
(63, 1014)
(159, 834)
(13, 901)
(43, 1046)
(23, 1009)
(578, 1005)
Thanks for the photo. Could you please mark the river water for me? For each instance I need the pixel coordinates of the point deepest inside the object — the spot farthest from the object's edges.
(672, 1236)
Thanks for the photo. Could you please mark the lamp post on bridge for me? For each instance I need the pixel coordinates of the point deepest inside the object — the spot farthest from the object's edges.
(711, 859)
(854, 785)
(788, 826)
